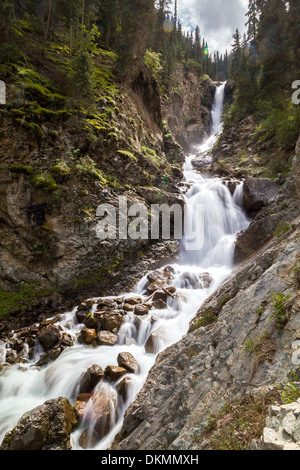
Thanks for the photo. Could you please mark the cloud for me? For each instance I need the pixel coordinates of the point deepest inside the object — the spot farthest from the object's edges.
(217, 20)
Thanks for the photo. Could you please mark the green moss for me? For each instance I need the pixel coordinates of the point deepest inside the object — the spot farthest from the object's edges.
(207, 318)
(151, 155)
(31, 126)
(22, 297)
(45, 182)
(281, 229)
(127, 154)
(20, 168)
(43, 95)
(61, 169)
(88, 167)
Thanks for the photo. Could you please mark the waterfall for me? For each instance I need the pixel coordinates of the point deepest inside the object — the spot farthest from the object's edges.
(214, 218)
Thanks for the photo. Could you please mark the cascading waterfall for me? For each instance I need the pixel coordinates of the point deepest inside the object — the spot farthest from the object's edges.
(201, 270)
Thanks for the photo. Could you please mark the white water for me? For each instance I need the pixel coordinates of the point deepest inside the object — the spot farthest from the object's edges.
(24, 387)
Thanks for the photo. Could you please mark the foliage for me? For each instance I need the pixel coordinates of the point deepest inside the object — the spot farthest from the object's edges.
(236, 425)
(279, 301)
(290, 390)
(21, 298)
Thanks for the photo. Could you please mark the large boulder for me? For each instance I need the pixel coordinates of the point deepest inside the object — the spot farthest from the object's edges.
(46, 427)
(258, 193)
(48, 336)
(128, 362)
(90, 379)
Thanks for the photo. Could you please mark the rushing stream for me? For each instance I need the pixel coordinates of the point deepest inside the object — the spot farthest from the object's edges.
(24, 387)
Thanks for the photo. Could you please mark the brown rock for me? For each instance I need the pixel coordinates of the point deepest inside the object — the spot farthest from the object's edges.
(90, 379)
(114, 373)
(89, 335)
(48, 336)
(142, 309)
(159, 304)
(106, 338)
(154, 341)
(128, 362)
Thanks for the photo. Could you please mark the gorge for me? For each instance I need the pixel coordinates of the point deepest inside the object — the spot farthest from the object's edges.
(137, 341)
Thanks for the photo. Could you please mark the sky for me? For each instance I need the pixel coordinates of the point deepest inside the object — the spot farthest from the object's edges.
(217, 20)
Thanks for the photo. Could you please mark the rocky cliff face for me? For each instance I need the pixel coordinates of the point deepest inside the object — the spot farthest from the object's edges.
(187, 108)
(242, 344)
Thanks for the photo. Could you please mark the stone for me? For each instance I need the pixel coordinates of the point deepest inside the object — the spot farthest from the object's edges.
(104, 409)
(89, 335)
(48, 336)
(106, 338)
(46, 427)
(259, 192)
(154, 342)
(88, 439)
(91, 321)
(90, 379)
(159, 304)
(111, 322)
(122, 387)
(114, 373)
(128, 362)
(160, 295)
(81, 403)
(142, 309)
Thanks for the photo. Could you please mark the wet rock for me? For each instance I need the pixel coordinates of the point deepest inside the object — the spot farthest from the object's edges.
(159, 304)
(155, 341)
(48, 336)
(133, 301)
(128, 362)
(50, 356)
(259, 232)
(91, 321)
(46, 427)
(107, 304)
(122, 387)
(86, 305)
(111, 322)
(160, 295)
(88, 439)
(81, 315)
(90, 378)
(81, 403)
(142, 309)
(106, 338)
(259, 192)
(104, 405)
(114, 373)
(89, 335)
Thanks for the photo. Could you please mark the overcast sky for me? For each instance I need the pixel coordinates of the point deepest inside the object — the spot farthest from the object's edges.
(217, 20)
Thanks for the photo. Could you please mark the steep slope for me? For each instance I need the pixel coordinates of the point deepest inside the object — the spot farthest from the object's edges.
(211, 390)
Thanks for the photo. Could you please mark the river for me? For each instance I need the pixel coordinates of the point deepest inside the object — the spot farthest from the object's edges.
(221, 217)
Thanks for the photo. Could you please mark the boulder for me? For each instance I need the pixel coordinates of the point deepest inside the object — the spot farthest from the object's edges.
(48, 336)
(114, 373)
(142, 309)
(89, 335)
(122, 387)
(104, 410)
(128, 362)
(90, 378)
(106, 338)
(155, 341)
(111, 321)
(91, 321)
(81, 403)
(159, 304)
(46, 427)
(258, 193)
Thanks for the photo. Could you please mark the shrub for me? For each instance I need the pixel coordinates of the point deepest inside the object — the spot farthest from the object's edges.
(279, 301)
